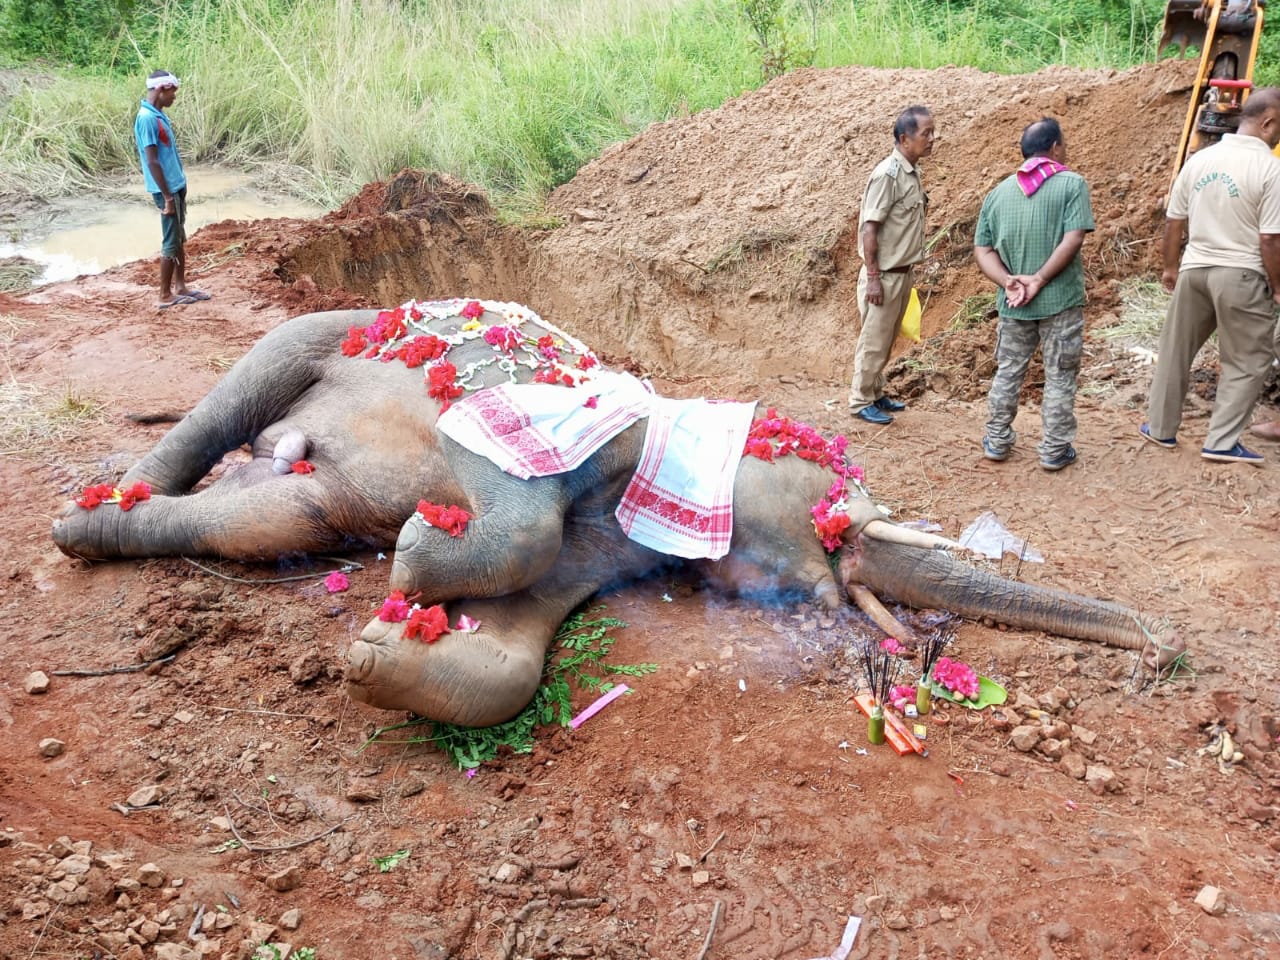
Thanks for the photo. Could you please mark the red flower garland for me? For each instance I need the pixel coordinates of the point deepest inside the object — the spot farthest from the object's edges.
(504, 338)
(441, 385)
(101, 493)
(390, 337)
(773, 436)
(427, 625)
(451, 519)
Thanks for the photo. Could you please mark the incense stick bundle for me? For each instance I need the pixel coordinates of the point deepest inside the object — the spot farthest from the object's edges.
(932, 644)
(880, 670)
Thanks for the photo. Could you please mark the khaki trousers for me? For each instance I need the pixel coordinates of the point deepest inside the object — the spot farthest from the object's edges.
(1237, 303)
(879, 326)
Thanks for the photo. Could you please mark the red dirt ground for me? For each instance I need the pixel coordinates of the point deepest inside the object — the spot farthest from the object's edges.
(713, 253)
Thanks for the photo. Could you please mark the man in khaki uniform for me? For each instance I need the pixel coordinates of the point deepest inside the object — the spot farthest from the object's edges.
(890, 242)
(1225, 204)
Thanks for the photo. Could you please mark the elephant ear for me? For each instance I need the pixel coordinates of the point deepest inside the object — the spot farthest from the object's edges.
(990, 694)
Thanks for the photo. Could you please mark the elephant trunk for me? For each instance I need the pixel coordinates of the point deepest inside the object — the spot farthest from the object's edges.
(924, 578)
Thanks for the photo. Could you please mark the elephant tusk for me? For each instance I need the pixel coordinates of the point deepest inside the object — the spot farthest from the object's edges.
(870, 604)
(892, 533)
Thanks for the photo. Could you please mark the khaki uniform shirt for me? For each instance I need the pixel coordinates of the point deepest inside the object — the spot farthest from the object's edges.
(1228, 193)
(895, 199)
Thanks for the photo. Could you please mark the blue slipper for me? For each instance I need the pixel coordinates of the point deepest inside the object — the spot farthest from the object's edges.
(181, 300)
(1167, 442)
(1237, 454)
(198, 295)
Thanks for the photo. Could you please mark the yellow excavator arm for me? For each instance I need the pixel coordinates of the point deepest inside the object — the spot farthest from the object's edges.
(1226, 32)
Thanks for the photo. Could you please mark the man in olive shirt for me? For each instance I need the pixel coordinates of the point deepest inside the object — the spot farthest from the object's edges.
(1027, 242)
(890, 242)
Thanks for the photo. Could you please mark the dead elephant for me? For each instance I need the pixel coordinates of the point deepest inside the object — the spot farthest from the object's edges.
(341, 410)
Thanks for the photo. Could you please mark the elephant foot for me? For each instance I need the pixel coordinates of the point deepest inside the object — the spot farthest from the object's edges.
(472, 679)
(85, 534)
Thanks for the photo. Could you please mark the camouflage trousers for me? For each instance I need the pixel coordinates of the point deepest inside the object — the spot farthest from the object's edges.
(1061, 342)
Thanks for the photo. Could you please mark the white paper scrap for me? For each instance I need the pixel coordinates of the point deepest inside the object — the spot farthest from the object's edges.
(846, 942)
(989, 537)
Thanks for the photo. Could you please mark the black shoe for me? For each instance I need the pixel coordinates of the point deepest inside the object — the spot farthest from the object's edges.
(870, 414)
(889, 405)
(1064, 459)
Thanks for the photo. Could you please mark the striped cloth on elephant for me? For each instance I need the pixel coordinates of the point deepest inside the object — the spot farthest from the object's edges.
(680, 500)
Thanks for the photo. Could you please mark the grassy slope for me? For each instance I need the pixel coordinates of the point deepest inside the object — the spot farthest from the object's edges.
(511, 94)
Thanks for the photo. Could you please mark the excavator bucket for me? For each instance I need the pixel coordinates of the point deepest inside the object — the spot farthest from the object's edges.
(1185, 23)
(1226, 35)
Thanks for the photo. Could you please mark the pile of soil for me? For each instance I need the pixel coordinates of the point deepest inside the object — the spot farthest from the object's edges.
(226, 795)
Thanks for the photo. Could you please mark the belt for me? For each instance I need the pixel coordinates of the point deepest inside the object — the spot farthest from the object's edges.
(905, 269)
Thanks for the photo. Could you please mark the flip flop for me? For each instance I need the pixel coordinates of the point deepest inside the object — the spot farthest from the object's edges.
(198, 295)
(180, 300)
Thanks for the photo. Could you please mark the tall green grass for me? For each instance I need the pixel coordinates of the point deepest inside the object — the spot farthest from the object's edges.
(514, 95)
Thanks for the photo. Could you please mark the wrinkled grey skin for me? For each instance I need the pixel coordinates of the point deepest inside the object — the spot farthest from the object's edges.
(535, 549)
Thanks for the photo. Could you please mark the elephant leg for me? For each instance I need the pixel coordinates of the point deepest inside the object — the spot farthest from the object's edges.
(482, 678)
(236, 519)
(509, 545)
(256, 392)
(474, 679)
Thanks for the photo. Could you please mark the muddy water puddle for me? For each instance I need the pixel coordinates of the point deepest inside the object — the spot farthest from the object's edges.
(71, 237)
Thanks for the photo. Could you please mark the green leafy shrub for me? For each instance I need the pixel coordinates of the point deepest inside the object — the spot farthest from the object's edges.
(577, 658)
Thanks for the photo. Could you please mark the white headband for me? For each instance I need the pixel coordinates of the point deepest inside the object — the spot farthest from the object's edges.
(165, 80)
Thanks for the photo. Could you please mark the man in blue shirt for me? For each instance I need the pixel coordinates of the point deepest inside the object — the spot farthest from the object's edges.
(167, 184)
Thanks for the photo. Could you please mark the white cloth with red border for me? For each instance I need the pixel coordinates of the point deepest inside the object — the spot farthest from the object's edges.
(680, 500)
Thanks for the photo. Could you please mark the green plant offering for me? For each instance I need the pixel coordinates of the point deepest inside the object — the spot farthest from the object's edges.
(584, 645)
(388, 863)
(990, 694)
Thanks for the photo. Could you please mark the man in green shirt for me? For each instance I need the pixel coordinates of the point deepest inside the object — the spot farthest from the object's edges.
(1027, 242)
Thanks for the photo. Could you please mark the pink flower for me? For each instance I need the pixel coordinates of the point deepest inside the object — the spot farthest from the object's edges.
(592, 403)
(467, 624)
(891, 645)
(336, 582)
(503, 338)
(901, 695)
(959, 678)
(395, 608)
(472, 310)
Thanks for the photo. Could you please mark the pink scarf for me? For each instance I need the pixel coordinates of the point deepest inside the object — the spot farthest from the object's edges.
(1035, 171)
